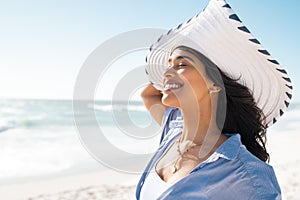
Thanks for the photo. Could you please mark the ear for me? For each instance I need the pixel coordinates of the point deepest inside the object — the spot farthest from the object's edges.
(214, 89)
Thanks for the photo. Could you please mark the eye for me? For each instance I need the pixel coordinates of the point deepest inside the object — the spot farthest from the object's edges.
(181, 65)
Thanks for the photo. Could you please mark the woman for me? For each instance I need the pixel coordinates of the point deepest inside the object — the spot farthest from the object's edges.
(213, 115)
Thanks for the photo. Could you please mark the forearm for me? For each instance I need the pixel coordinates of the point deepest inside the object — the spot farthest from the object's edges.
(152, 99)
(150, 91)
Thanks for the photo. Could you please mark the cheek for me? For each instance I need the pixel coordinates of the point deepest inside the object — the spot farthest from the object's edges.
(195, 84)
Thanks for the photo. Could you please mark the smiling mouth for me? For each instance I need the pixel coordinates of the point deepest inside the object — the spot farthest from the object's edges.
(172, 86)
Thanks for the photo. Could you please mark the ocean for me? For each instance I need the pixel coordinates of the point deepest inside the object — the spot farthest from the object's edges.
(39, 138)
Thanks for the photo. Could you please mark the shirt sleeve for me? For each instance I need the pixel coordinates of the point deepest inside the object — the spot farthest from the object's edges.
(170, 114)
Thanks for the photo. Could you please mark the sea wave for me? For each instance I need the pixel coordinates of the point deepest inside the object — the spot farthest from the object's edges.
(26, 153)
(117, 107)
(6, 125)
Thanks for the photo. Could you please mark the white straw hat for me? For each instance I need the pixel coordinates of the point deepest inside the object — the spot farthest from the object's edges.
(219, 34)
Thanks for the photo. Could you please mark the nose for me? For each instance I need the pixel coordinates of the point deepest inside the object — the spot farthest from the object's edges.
(170, 72)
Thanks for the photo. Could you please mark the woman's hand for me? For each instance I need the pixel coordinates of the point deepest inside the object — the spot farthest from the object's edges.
(152, 100)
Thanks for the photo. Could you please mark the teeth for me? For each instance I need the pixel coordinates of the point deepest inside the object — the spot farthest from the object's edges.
(172, 86)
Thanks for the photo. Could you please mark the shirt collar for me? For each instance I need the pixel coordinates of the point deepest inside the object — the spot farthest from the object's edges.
(176, 123)
(228, 150)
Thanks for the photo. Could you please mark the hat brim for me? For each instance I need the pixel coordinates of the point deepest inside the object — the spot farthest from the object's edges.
(219, 34)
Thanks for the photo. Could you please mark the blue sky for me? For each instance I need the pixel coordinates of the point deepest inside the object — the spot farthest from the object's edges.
(44, 43)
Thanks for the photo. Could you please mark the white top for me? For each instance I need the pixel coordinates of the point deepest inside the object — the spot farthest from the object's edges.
(153, 187)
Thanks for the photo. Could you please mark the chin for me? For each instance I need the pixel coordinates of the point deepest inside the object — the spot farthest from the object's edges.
(170, 100)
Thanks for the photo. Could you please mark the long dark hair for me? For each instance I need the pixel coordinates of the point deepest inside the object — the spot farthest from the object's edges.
(237, 111)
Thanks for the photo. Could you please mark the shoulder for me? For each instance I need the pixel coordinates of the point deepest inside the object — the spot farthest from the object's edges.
(260, 175)
(255, 177)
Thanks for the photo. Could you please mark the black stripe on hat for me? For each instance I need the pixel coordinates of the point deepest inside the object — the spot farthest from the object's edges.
(286, 103)
(146, 70)
(254, 41)
(264, 51)
(273, 61)
(179, 26)
(159, 38)
(244, 28)
(169, 32)
(274, 120)
(151, 47)
(287, 79)
(289, 95)
(188, 20)
(289, 86)
(146, 59)
(235, 17)
(281, 112)
(282, 71)
(226, 6)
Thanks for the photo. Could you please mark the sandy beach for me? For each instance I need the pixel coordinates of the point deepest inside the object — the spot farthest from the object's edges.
(110, 184)
(285, 158)
(106, 184)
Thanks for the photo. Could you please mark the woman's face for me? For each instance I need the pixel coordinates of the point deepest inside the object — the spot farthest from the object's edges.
(185, 80)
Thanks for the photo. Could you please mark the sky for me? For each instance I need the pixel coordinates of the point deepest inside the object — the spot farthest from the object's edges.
(43, 44)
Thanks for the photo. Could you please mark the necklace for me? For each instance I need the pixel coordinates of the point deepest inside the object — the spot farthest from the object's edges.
(182, 148)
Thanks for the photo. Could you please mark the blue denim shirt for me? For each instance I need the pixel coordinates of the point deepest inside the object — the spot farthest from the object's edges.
(231, 172)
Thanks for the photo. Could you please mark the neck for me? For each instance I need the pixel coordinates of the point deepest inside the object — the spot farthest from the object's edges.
(200, 125)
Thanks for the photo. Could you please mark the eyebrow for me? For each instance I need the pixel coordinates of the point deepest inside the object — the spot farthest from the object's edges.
(181, 57)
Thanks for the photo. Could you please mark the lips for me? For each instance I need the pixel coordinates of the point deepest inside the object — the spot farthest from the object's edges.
(172, 85)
